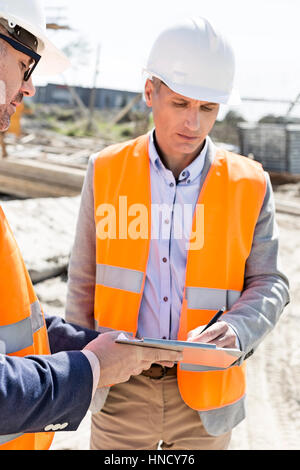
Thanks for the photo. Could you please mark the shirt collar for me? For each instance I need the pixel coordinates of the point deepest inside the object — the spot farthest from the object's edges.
(190, 173)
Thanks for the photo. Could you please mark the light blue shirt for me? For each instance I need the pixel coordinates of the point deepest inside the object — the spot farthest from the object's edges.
(172, 208)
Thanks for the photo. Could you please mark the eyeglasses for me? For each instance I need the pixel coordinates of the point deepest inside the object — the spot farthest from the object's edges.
(26, 50)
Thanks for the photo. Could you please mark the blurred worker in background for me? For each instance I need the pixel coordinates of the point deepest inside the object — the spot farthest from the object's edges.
(41, 393)
(140, 275)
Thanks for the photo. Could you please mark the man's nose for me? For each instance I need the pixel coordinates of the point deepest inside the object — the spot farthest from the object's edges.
(193, 119)
(27, 88)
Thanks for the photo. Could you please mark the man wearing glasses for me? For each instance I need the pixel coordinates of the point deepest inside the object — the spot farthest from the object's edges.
(20, 61)
(39, 392)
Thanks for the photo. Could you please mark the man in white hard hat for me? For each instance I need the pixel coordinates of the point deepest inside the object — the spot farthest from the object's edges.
(171, 282)
(39, 392)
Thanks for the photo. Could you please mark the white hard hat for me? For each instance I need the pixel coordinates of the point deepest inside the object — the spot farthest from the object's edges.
(196, 61)
(29, 15)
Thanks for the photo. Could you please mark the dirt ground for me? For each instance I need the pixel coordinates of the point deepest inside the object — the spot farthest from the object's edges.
(273, 403)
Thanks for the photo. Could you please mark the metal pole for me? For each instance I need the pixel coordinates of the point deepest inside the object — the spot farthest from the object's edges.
(292, 105)
(93, 92)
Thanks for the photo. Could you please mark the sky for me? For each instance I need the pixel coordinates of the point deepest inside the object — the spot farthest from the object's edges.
(265, 35)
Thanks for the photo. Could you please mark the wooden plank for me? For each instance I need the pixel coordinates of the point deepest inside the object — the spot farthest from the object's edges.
(287, 207)
(127, 108)
(44, 172)
(40, 276)
(283, 177)
(26, 188)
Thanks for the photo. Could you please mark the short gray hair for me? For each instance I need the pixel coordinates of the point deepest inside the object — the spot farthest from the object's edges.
(3, 30)
(157, 83)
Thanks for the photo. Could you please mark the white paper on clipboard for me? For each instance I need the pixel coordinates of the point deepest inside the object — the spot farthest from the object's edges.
(196, 356)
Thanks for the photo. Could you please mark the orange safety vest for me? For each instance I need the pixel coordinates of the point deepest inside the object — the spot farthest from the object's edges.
(232, 196)
(22, 325)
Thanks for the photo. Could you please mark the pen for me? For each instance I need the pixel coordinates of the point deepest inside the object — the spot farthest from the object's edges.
(214, 319)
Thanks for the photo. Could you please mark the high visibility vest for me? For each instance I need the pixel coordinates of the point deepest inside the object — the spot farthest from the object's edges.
(232, 196)
(22, 325)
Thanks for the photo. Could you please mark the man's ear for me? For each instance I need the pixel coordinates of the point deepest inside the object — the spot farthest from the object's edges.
(149, 87)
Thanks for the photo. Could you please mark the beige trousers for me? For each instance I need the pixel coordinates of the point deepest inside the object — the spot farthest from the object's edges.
(142, 412)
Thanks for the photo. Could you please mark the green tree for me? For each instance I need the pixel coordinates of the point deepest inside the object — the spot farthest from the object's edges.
(233, 117)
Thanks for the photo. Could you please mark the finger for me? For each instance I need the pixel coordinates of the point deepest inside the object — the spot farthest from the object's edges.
(139, 353)
(166, 363)
(170, 356)
(138, 371)
(157, 355)
(226, 341)
(195, 333)
(114, 334)
(213, 332)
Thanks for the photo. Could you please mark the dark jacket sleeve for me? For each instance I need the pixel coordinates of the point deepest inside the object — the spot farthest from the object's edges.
(38, 391)
(65, 336)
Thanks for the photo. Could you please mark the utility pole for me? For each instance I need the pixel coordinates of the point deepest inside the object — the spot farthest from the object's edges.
(93, 92)
(292, 105)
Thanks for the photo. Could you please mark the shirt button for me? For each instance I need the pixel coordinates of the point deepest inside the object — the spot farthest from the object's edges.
(167, 221)
(171, 185)
(164, 260)
(183, 173)
(166, 299)
(188, 181)
(164, 337)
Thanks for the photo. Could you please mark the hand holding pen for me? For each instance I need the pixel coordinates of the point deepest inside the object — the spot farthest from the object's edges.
(214, 319)
(215, 332)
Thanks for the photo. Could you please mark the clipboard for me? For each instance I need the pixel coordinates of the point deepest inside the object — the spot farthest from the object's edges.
(197, 357)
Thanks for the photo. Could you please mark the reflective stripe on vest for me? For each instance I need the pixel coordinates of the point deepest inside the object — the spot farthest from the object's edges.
(37, 318)
(203, 298)
(232, 196)
(22, 325)
(119, 278)
(9, 437)
(200, 298)
(18, 336)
